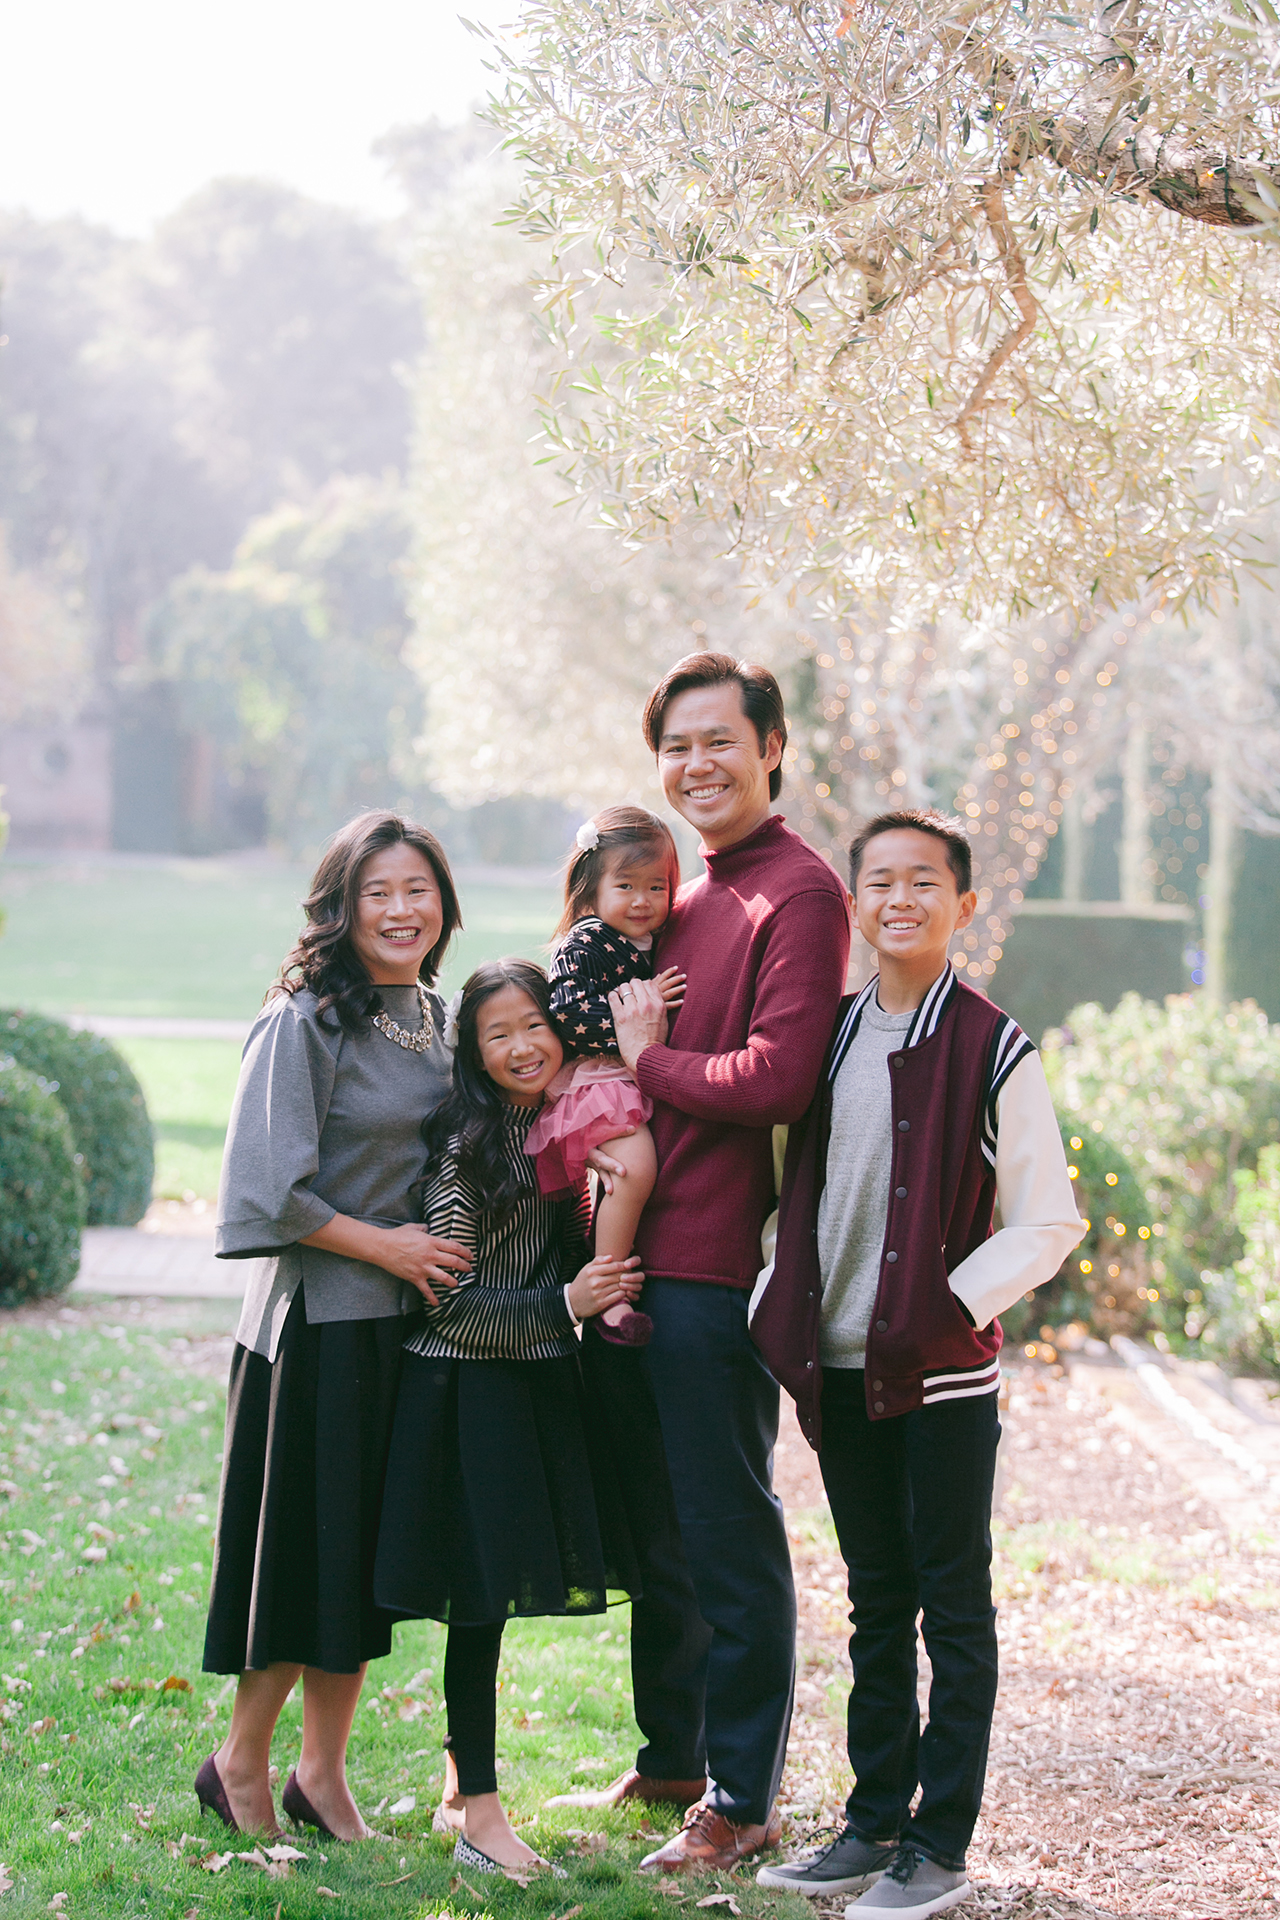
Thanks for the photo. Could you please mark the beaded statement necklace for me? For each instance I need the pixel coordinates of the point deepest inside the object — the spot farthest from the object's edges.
(417, 1042)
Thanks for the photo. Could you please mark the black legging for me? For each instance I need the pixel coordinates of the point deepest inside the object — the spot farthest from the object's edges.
(471, 1699)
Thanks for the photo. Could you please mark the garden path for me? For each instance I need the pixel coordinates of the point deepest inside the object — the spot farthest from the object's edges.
(1134, 1757)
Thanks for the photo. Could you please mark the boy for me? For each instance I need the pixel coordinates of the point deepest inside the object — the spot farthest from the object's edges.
(880, 1320)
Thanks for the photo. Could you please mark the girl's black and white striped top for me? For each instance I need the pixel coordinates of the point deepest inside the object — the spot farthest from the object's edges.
(511, 1305)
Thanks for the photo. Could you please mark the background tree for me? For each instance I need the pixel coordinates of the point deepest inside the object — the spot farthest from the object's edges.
(959, 316)
(536, 635)
(289, 662)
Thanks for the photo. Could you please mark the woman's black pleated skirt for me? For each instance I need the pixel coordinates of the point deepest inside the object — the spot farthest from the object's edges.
(503, 1496)
(306, 1454)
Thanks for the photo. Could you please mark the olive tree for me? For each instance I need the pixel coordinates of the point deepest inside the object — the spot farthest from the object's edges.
(958, 314)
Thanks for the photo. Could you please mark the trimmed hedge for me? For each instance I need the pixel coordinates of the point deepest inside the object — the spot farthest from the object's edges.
(104, 1104)
(42, 1196)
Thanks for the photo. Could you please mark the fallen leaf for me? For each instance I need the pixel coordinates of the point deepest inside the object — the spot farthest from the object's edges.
(328, 1892)
(406, 1804)
(255, 1859)
(585, 1844)
(192, 1913)
(38, 1727)
(215, 1862)
(400, 1882)
(174, 1685)
(571, 1914)
(134, 1601)
(6, 1882)
(57, 1903)
(285, 1853)
(720, 1900)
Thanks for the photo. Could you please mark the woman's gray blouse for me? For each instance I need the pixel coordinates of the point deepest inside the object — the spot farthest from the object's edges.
(324, 1122)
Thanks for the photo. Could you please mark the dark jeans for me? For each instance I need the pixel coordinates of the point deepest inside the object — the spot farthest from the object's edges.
(911, 1501)
(713, 1667)
(471, 1698)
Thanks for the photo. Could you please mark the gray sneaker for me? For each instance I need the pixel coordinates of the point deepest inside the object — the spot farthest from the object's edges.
(911, 1886)
(847, 1865)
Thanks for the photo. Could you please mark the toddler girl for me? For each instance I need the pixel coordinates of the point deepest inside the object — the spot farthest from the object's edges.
(619, 886)
(501, 1493)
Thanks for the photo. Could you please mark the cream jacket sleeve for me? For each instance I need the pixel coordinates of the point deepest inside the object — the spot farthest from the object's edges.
(1040, 1222)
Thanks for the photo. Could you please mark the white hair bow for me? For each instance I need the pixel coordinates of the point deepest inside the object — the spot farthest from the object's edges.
(450, 1034)
(588, 836)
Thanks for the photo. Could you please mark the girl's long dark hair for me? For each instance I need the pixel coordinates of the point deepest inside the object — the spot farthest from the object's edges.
(324, 957)
(475, 1109)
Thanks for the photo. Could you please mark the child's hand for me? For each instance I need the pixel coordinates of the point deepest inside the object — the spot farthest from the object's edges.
(604, 1283)
(670, 984)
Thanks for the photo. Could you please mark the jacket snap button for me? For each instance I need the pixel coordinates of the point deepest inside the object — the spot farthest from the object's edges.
(898, 1060)
(882, 1326)
(877, 1386)
(809, 1366)
(811, 1294)
(904, 1126)
(891, 1257)
(900, 1193)
(879, 1406)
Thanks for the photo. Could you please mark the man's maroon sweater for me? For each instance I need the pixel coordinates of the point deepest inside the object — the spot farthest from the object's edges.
(764, 939)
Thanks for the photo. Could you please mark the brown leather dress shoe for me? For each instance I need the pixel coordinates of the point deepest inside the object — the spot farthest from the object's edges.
(708, 1842)
(635, 1786)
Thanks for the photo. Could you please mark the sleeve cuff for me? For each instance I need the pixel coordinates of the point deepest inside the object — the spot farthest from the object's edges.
(251, 1239)
(573, 1318)
(653, 1072)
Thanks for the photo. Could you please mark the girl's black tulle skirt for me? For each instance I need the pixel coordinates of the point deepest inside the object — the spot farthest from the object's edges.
(306, 1451)
(503, 1495)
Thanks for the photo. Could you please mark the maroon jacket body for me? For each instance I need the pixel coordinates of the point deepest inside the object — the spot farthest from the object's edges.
(764, 939)
(922, 1346)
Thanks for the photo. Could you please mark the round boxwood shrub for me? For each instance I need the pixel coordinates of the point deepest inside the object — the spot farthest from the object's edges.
(104, 1104)
(41, 1190)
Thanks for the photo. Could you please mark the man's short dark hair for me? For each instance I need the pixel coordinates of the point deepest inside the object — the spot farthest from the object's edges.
(761, 699)
(943, 826)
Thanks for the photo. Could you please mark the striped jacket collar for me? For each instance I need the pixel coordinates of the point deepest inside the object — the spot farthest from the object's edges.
(935, 1004)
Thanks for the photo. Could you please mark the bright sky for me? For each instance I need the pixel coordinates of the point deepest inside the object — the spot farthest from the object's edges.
(119, 111)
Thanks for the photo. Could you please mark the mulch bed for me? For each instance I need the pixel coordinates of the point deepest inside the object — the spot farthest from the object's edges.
(1134, 1758)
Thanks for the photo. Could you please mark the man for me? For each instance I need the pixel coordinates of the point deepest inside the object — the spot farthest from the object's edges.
(763, 937)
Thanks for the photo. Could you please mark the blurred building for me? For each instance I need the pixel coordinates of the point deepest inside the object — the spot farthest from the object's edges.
(57, 783)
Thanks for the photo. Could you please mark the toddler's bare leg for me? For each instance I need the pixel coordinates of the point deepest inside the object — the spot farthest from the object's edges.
(619, 1212)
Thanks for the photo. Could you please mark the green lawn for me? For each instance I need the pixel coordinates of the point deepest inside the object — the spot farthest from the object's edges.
(197, 938)
(109, 1436)
(189, 1086)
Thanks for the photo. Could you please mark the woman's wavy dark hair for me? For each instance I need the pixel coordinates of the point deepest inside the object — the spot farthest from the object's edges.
(324, 957)
(476, 1110)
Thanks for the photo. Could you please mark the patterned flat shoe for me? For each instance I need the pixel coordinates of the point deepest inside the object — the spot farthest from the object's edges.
(465, 1855)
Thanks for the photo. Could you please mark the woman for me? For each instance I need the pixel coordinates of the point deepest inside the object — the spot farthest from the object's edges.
(321, 1180)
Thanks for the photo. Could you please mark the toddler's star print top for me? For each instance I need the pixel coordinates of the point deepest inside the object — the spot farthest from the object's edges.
(589, 963)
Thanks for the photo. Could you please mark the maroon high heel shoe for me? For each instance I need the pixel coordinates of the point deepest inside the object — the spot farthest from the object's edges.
(299, 1808)
(212, 1795)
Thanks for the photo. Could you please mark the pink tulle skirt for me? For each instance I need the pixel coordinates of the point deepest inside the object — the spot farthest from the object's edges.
(588, 1102)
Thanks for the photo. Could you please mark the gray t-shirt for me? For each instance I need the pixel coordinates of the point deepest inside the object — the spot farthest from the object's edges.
(855, 1200)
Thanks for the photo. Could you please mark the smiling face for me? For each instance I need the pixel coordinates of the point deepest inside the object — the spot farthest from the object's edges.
(634, 899)
(711, 765)
(399, 915)
(518, 1048)
(907, 904)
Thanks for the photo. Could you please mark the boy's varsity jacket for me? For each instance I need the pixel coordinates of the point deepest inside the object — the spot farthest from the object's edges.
(947, 1078)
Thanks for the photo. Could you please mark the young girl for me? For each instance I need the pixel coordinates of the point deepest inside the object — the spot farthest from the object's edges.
(501, 1494)
(618, 891)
